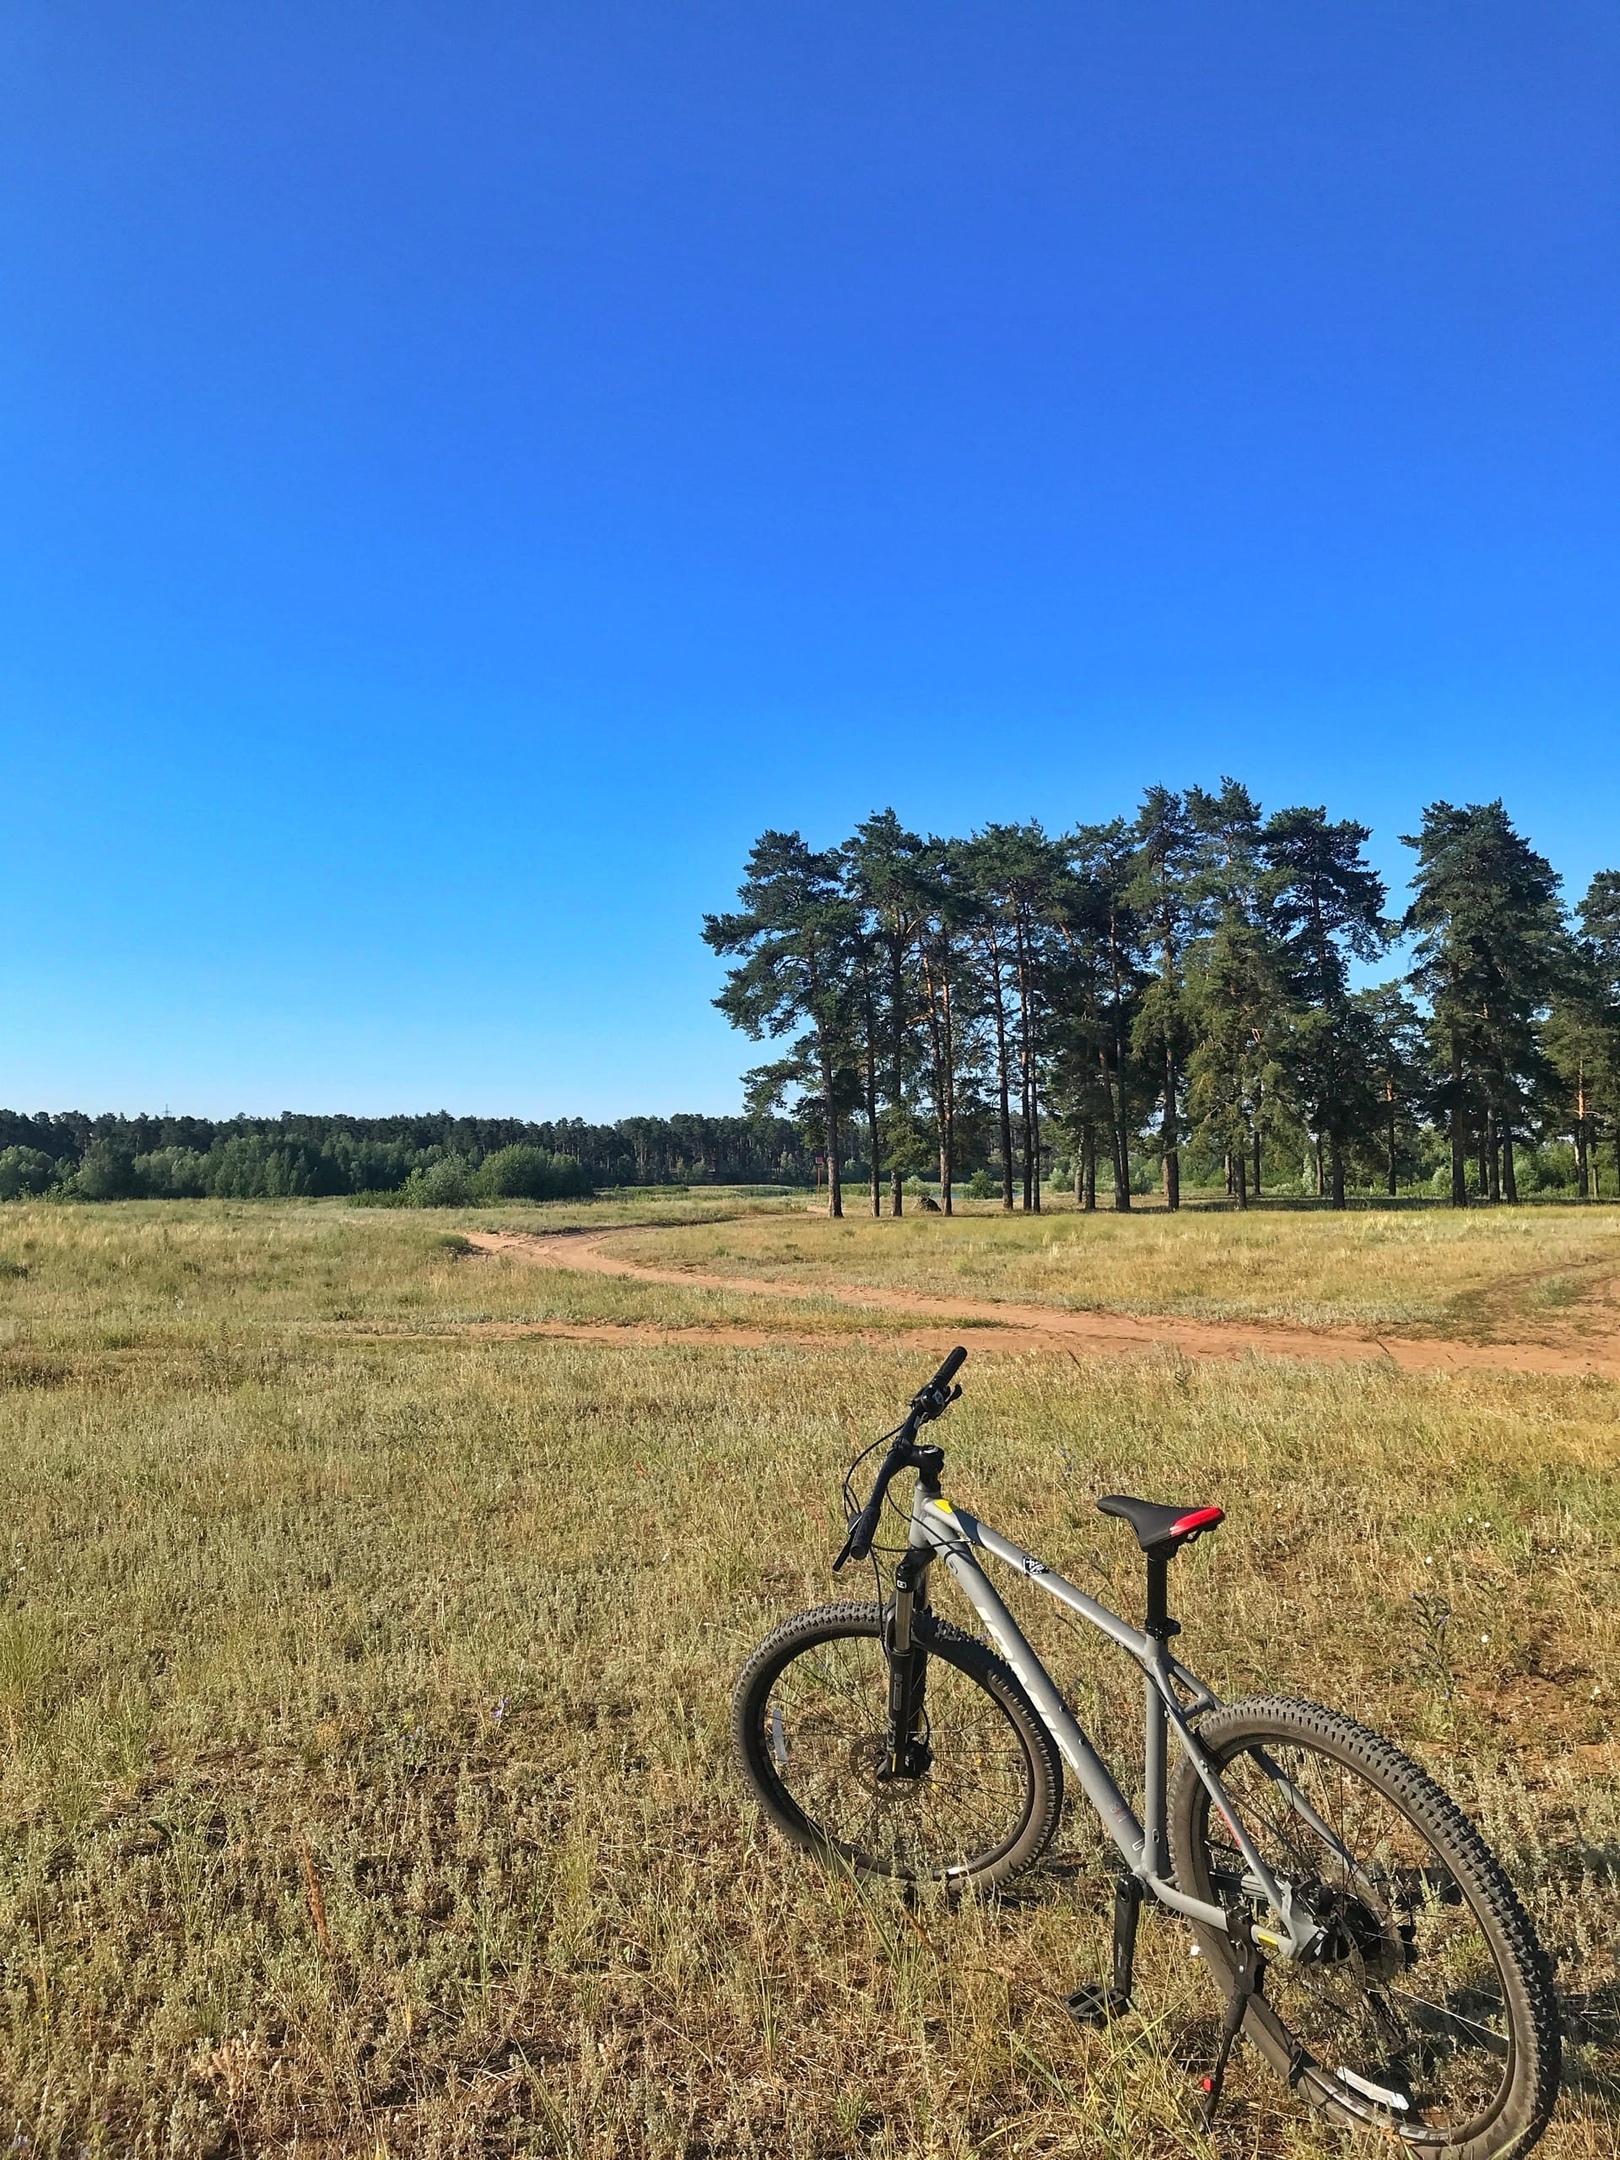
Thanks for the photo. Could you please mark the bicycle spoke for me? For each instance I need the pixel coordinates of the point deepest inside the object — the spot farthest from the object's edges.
(1387, 1907)
(834, 1709)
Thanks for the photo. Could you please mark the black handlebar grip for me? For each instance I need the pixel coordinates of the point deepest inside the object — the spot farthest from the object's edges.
(948, 1371)
(862, 1531)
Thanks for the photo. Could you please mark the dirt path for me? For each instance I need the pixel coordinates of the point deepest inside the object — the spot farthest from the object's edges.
(1004, 1325)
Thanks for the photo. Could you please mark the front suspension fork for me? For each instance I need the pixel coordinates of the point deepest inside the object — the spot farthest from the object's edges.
(907, 1753)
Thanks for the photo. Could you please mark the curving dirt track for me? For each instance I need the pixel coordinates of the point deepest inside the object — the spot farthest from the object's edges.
(1003, 1325)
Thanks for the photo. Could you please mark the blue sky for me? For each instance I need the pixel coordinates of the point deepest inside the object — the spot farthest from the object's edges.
(464, 470)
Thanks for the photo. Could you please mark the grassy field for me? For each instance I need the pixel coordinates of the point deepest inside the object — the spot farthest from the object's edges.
(363, 1677)
(1417, 1269)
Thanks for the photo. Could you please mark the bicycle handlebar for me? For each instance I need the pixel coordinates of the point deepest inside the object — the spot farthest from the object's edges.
(927, 1404)
(948, 1371)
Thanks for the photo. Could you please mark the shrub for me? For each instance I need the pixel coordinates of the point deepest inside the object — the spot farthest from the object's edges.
(106, 1172)
(250, 1166)
(172, 1173)
(24, 1171)
(982, 1186)
(530, 1173)
(449, 1182)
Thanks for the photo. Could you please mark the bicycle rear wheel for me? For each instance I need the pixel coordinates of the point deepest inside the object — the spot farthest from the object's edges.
(1427, 2013)
(810, 1726)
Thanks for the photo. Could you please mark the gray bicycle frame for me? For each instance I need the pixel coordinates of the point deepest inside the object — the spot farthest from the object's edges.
(939, 1528)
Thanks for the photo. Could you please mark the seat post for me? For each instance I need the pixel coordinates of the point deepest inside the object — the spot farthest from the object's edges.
(1159, 1623)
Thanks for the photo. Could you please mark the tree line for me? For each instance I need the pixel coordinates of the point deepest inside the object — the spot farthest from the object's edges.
(1180, 984)
(432, 1160)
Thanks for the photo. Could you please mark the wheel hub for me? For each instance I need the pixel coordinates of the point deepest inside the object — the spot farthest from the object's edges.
(869, 1758)
(1353, 1932)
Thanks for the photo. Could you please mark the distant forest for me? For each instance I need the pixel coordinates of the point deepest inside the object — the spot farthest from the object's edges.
(435, 1160)
(1180, 997)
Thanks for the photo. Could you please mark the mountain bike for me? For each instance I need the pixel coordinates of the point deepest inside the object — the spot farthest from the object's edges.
(1367, 1942)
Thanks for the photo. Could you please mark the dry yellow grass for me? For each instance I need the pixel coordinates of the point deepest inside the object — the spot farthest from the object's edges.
(1506, 1271)
(366, 1789)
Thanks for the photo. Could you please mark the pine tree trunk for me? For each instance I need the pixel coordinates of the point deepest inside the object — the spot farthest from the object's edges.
(1459, 1145)
(1488, 1161)
(1259, 1098)
(1241, 1180)
(1000, 1011)
(1393, 1182)
(1336, 1166)
(872, 1131)
(1025, 1136)
(1172, 1159)
(947, 1127)
(1510, 1181)
(835, 1182)
(1088, 1156)
(1118, 1144)
(897, 1065)
(1035, 1133)
(1316, 1162)
(1583, 1179)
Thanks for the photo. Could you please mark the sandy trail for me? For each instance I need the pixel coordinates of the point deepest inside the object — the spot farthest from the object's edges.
(999, 1324)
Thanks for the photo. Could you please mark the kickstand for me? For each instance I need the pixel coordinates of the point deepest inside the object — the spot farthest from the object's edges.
(1247, 1983)
(1096, 2005)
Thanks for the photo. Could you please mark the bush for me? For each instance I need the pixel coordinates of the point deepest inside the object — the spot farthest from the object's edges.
(530, 1173)
(24, 1171)
(106, 1172)
(449, 1182)
(982, 1186)
(172, 1173)
(248, 1166)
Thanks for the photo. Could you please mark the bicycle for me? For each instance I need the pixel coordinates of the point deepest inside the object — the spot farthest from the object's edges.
(1368, 1943)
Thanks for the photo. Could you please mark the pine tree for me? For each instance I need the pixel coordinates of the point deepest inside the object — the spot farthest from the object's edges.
(1103, 936)
(1163, 893)
(886, 877)
(1010, 871)
(798, 933)
(1584, 1031)
(1325, 907)
(1233, 995)
(1233, 982)
(949, 1001)
(1393, 1034)
(1491, 952)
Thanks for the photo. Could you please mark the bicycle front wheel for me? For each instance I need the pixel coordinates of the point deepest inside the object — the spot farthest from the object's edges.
(810, 1722)
(1426, 2012)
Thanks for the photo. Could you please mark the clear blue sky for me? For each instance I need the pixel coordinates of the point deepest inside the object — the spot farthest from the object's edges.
(465, 469)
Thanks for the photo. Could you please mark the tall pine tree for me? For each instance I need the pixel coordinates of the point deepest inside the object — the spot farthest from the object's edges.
(1491, 952)
(1325, 906)
(797, 933)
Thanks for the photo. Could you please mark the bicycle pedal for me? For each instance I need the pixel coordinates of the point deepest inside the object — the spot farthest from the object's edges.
(1096, 2005)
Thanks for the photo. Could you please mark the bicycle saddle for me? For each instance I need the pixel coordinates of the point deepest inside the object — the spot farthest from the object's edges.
(1162, 1531)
